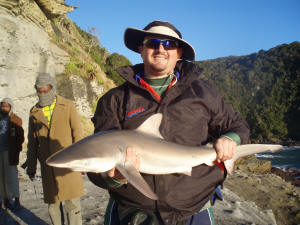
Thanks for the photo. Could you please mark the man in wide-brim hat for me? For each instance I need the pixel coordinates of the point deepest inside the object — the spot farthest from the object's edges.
(194, 113)
(134, 37)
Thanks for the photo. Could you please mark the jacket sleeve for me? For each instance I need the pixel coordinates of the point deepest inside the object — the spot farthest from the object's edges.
(75, 124)
(224, 119)
(109, 112)
(16, 139)
(19, 135)
(32, 147)
(107, 116)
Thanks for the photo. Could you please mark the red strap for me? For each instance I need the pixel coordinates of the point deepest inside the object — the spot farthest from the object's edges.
(172, 83)
(150, 89)
(220, 165)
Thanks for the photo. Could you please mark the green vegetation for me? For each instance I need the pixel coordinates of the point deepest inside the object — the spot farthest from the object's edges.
(264, 88)
(71, 68)
(112, 62)
(87, 56)
(100, 55)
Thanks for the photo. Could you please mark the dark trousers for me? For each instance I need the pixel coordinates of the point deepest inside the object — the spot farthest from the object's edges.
(205, 217)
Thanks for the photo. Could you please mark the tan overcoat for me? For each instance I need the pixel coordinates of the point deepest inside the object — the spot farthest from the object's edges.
(58, 184)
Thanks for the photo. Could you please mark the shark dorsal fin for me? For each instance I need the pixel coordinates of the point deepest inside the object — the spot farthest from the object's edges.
(151, 125)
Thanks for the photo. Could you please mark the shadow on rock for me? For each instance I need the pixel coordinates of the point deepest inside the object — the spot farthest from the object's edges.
(6, 218)
(20, 216)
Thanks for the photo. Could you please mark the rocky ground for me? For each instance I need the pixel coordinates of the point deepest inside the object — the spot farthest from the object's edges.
(269, 192)
(270, 189)
(250, 197)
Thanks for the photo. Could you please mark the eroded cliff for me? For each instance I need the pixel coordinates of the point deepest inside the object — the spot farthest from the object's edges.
(27, 47)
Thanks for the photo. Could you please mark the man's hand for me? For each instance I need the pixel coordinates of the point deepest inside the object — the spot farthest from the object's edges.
(225, 149)
(131, 156)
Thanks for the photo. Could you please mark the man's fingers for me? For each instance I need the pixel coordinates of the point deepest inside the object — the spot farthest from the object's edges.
(130, 154)
(133, 157)
(233, 148)
(111, 172)
(225, 149)
(219, 150)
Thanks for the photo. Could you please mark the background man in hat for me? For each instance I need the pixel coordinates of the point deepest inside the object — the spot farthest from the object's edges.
(11, 140)
(53, 125)
(193, 114)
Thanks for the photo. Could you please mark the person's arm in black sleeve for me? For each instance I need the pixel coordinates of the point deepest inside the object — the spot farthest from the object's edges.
(225, 121)
(109, 112)
(107, 116)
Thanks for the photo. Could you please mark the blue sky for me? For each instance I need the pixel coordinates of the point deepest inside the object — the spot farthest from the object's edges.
(215, 28)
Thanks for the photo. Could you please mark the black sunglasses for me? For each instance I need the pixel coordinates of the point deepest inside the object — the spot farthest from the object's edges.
(155, 43)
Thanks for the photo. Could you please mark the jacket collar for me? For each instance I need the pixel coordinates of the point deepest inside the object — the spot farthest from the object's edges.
(188, 72)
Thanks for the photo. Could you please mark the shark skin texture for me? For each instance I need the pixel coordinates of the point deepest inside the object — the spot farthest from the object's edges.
(105, 150)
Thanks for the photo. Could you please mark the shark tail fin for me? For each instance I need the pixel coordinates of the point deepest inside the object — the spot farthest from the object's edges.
(250, 149)
(229, 165)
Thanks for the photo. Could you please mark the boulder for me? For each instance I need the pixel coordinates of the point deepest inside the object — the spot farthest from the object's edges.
(254, 165)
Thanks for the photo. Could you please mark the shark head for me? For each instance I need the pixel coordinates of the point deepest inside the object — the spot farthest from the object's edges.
(83, 164)
(84, 156)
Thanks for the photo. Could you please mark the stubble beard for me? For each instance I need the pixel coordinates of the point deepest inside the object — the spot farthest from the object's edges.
(158, 67)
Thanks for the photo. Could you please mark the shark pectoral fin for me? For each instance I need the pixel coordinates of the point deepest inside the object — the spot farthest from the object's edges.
(135, 178)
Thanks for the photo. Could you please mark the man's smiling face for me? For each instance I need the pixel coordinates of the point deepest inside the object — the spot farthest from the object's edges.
(159, 61)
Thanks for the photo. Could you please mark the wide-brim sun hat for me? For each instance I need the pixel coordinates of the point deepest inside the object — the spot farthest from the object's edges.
(134, 37)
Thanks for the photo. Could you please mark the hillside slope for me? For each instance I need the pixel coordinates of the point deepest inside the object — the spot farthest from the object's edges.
(37, 36)
(264, 87)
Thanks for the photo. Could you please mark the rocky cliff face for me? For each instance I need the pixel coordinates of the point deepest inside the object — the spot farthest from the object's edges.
(26, 50)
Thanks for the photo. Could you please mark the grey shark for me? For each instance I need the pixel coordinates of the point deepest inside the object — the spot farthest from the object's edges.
(105, 150)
